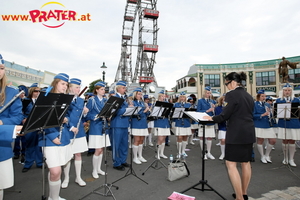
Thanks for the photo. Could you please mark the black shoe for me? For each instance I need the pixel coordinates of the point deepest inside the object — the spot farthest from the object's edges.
(39, 166)
(109, 148)
(22, 158)
(167, 145)
(244, 196)
(25, 170)
(89, 153)
(120, 168)
(16, 156)
(126, 165)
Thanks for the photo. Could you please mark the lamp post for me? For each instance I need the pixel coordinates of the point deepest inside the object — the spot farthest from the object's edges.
(103, 67)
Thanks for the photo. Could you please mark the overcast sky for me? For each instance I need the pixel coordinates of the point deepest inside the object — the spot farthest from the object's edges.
(191, 32)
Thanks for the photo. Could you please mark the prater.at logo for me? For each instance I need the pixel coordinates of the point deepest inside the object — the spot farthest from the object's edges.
(55, 17)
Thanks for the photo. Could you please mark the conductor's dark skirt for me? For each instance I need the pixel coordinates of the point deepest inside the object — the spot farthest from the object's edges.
(238, 152)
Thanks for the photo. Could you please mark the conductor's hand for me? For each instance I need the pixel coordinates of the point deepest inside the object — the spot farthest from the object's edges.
(56, 141)
(209, 118)
(75, 130)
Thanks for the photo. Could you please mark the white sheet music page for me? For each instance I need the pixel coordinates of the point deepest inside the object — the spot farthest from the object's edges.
(157, 111)
(196, 115)
(284, 110)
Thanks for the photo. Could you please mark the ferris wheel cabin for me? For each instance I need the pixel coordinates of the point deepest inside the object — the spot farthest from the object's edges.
(128, 18)
(146, 79)
(150, 48)
(148, 13)
(132, 1)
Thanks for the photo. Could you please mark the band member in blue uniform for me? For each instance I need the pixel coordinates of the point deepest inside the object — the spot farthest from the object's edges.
(263, 129)
(182, 126)
(207, 104)
(139, 128)
(288, 129)
(33, 152)
(96, 137)
(194, 124)
(11, 115)
(150, 123)
(56, 145)
(161, 130)
(119, 125)
(221, 126)
(75, 115)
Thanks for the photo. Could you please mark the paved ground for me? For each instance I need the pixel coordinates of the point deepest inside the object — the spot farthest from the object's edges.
(269, 181)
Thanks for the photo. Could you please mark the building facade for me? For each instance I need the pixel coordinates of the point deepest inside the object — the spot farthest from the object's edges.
(260, 75)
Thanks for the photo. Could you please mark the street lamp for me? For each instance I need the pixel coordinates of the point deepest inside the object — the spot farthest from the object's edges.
(103, 67)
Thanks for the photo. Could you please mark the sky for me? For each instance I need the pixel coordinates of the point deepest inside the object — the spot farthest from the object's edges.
(190, 32)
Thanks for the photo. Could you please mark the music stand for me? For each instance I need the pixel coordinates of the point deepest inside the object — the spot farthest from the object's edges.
(198, 117)
(160, 110)
(48, 111)
(130, 112)
(108, 111)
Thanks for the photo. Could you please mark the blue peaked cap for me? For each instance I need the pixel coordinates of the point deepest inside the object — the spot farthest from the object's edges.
(260, 91)
(1, 60)
(123, 83)
(62, 76)
(287, 85)
(112, 92)
(208, 88)
(137, 90)
(100, 83)
(146, 96)
(182, 93)
(75, 81)
(24, 88)
(34, 85)
(162, 92)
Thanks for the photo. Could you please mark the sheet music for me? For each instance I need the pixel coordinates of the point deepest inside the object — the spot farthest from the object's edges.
(284, 110)
(178, 112)
(156, 112)
(132, 111)
(196, 115)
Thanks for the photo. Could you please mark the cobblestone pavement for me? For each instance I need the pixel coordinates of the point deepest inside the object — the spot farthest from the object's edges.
(292, 193)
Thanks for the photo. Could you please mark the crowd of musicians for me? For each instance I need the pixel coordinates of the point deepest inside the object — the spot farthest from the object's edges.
(82, 129)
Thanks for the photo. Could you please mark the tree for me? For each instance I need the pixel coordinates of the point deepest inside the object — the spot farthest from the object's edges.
(91, 86)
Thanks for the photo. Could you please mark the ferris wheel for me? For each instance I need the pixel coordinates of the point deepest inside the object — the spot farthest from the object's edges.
(145, 13)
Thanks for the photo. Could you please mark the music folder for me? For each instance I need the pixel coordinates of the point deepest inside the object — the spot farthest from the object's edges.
(197, 116)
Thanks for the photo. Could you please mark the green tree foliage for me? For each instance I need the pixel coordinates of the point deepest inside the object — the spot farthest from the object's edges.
(91, 86)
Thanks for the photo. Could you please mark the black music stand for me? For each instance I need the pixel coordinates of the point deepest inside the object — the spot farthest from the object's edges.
(160, 110)
(48, 111)
(198, 117)
(108, 111)
(131, 112)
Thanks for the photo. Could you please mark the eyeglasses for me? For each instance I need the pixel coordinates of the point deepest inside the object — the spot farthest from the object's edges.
(226, 84)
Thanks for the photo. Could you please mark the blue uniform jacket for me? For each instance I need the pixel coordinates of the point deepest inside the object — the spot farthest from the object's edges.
(73, 115)
(222, 125)
(293, 123)
(6, 138)
(95, 106)
(260, 108)
(119, 121)
(140, 122)
(203, 106)
(184, 122)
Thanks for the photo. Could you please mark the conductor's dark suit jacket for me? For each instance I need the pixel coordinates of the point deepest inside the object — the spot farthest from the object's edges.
(239, 116)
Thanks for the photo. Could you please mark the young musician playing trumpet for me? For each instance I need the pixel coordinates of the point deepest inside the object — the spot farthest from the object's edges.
(139, 127)
(263, 129)
(75, 114)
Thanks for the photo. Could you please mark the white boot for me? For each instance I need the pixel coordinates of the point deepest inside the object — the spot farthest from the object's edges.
(179, 146)
(184, 143)
(135, 157)
(285, 154)
(208, 145)
(54, 189)
(161, 152)
(140, 154)
(99, 171)
(78, 179)
(95, 166)
(292, 150)
(222, 146)
(65, 183)
(260, 149)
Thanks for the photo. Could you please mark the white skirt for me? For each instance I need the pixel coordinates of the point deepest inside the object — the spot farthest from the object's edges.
(290, 134)
(209, 131)
(265, 133)
(151, 124)
(194, 126)
(6, 174)
(79, 145)
(182, 131)
(57, 155)
(161, 131)
(139, 132)
(221, 135)
(98, 141)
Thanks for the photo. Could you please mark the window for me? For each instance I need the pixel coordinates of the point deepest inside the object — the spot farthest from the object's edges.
(294, 75)
(212, 80)
(265, 78)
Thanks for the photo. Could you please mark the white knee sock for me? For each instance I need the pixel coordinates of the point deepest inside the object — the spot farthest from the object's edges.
(77, 164)
(140, 151)
(150, 138)
(179, 147)
(184, 143)
(285, 152)
(54, 189)
(95, 166)
(201, 144)
(269, 149)
(66, 173)
(260, 149)
(222, 146)
(99, 171)
(292, 150)
(162, 149)
(1, 194)
(208, 145)
(135, 151)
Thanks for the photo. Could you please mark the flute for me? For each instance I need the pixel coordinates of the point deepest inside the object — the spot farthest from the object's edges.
(11, 101)
(78, 124)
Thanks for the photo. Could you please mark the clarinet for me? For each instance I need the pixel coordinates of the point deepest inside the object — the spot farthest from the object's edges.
(11, 101)
(269, 115)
